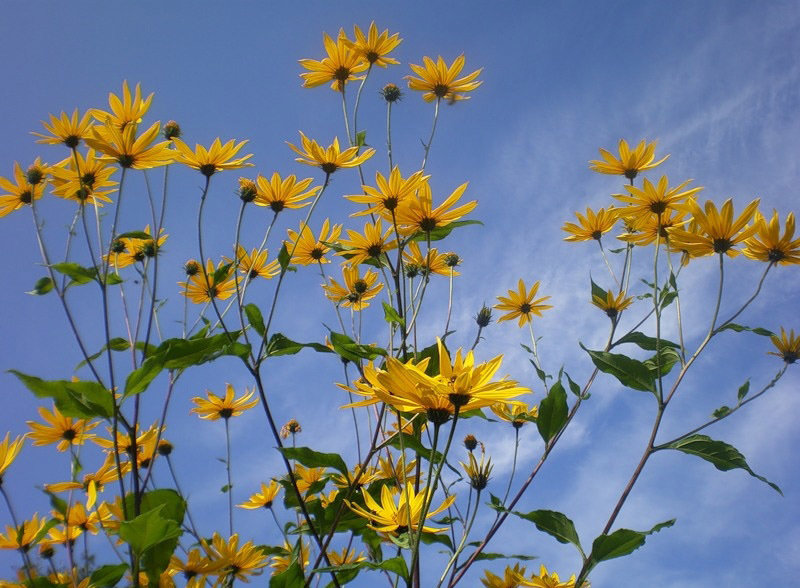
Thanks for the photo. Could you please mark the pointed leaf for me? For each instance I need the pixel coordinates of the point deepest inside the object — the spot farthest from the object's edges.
(552, 412)
(314, 459)
(108, 576)
(254, 318)
(42, 286)
(392, 316)
(622, 542)
(630, 372)
(739, 328)
(555, 524)
(743, 390)
(645, 342)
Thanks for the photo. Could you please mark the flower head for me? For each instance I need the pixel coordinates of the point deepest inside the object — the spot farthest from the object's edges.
(19, 192)
(339, 67)
(93, 185)
(215, 159)
(280, 563)
(356, 291)
(654, 200)
(592, 226)
(478, 473)
(263, 499)
(195, 569)
(389, 194)
(130, 109)
(331, 158)
(629, 163)
(788, 346)
(203, 286)
(428, 263)
(521, 304)
(308, 249)
(612, 305)
(9, 451)
(439, 81)
(126, 251)
(123, 147)
(234, 561)
(768, 245)
(287, 193)
(65, 431)
(291, 427)
(215, 407)
(373, 47)
(510, 577)
(714, 231)
(372, 244)
(24, 536)
(67, 130)
(420, 216)
(516, 413)
(545, 580)
(254, 264)
(397, 509)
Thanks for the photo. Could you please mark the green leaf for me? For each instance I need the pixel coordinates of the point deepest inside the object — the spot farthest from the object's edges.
(113, 279)
(645, 342)
(621, 542)
(74, 399)
(598, 291)
(284, 258)
(721, 412)
(492, 556)
(552, 412)
(432, 353)
(411, 442)
(182, 353)
(135, 235)
(395, 565)
(440, 233)
(667, 357)
(42, 286)
(221, 273)
(667, 298)
(314, 459)
(740, 328)
(107, 576)
(139, 379)
(254, 318)
(58, 504)
(279, 344)
(361, 138)
(630, 372)
(724, 457)
(291, 577)
(743, 390)
(349, 349)
(76, 272)
(392, 316)
(574, 388)
(147, 530)
(554, 524)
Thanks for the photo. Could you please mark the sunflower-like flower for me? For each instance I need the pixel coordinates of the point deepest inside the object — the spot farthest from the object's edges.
(357, 290)
(9, 451)
(592, 226)
(439, 81)
(263, 499)
(373, 47)
(78, 516)
(19, 192)
(372, 244)
(309, 479)
(280, 563)
(215, 407)
(545, 580)
(67, 130)
(331, 158)
(24, 536)
(655, 227)
(478, 473)
(510, 577)
(205, 285)
(65, 431)
(195, 569)
(130, 109)
(215, 159)
(788, 346)
(127, 150)
(420, 216)
(389, 193)
(655, 199)
(83, 179)
(399, 511)
(309, 249)
(612, 305)
(629, 163)
(516, 413)
(254, 264)
(287, 193)
(346, 556)
(432, 262)
(94, 482)
(768, 245)
(236, 562)
(521, 304)
(339, 67)
(126, 251)
(714, 231)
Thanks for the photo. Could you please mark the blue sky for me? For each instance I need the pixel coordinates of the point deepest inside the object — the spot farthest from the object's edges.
(717, 84)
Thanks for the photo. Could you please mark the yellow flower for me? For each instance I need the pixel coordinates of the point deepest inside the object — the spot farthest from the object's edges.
(215, 407)
(126, 251)
(629, 163)
(77, 516)
(308, 477)
(394, 518)
(22, 537)
(67, 130)
(280, 563)
(390, 193)
(768, 245)
(545, 580)
(254, 264)
(127, 150)
(521, 304)
(339, 67)
(655, 227)
(372, 244)
(347, 556)
(9, 451)
(439, 81)
(373, 47)
(357, 290)
(612, 305)
(279, 194)
(63, 535)
(516, 413)
(418, 215)
(125, 111)
(18, 193)
(217, 158)
(234, 561)
(195, 569)
(592, 226)
(85, 182)
(716, 231)
(94, 482)
(309, 249)
(203, 286)
(263, 499)
(788, 347)
(431, 262)
(330, 159)
(291, 427)
(510, 577)
(654, 199)
(65, 431)
(478, 473)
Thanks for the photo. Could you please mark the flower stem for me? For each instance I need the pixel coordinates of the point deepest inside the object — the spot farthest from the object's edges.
(228, 471)
(433, 131)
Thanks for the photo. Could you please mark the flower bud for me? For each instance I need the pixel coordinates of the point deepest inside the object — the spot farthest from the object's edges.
(470, 442)
(172, 130)
(484, 317)
(247, 190)
(391, 93)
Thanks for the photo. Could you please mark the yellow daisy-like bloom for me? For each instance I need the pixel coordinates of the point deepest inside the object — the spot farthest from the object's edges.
(94, 482)
(234, 561)
(307, 477)
(215, 159)
(397, 509)
(129, 250)
(431, 262)
(788, 346)
(19, 192)
(65, 431)
(127, 150)
(656, 199)
(545, 580)
(521, 304)
(346, 556)
(91, 186)
(390, 193)
(516, 413)
(309, 249)
(339, 67)
(592, 226)
(125, 111)
(216, 408)
(205, 285)
(372, 244)
(9, 451)
(629, 163)
(510, 577)
(768, 245)
(279, 194)
(22, 537)
(716, 230)
(356, 291)
(478, 473)
(373, 47)
(280, 563)
(331, 158)
(419, 216)
(77, 516)
(61, 535)
(67, 130)
(254, 264)
(612, 305)
(195, 569)
(263, 499)
(655, 227)
(439, 81)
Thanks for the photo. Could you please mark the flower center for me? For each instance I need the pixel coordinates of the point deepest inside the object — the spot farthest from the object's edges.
(72, 141)
(342, 73)
(658, 207)
(208, 169)
(360, 286)
(441, 90)
(329, 167)
(525, 308)
(372, 56)
(226, 413)
(69, 434)
(277, 205)
(375, 250)
(775, 255)
(631, 173)
(427, 224)
(125, 160)
(596, 235)
(317, 253)
(88, 179)
(722, 245)
(26, 197)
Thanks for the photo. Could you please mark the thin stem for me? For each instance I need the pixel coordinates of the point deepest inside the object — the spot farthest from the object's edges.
(228, 471)
(749, 300)
(389, 133)
(608, 265)
(461, 545)
(433, 131)
(25, 559)
(449, 305)
(539, 371)
(350, 139)
(513, 464)
(677, 305)
(178, 488)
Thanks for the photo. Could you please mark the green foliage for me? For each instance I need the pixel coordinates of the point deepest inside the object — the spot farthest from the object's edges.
(76, 399)
(621, 542)
(314, 459)
(349, 349)
(552, 412)
(391, 315)
(631, 373)
(279, 344)
(555, 524)
(107, 576)
(440, 233)
(739, 328)
(42, 286)
(254, 318)
(645, 342)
